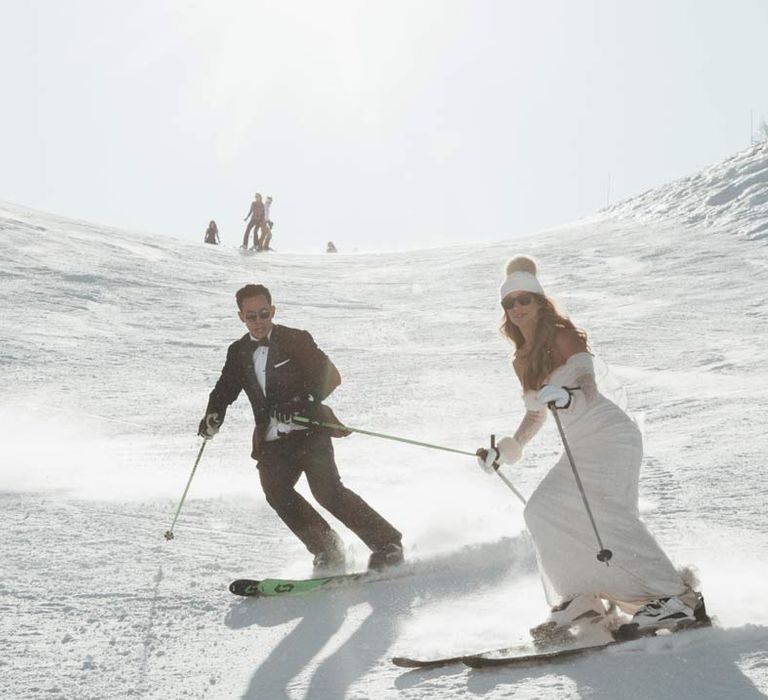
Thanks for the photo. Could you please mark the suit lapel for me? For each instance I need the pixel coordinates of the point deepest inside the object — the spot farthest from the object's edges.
(246, 358)
(275, 356)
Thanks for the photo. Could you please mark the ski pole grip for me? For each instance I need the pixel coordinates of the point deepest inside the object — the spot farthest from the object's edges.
(496, 464)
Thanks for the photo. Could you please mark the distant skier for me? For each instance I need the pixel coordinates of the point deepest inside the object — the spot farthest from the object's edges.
(266, 228)
(285, 374)
(212, 234)
(330, 248)
(255, 218)
(553, 363)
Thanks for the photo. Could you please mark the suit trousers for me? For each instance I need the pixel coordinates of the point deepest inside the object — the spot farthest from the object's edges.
(280, 465)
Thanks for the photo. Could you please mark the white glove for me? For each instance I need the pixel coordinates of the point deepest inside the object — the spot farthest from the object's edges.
(558, 395)
(488, 459)
(209, 426)
(507, 451)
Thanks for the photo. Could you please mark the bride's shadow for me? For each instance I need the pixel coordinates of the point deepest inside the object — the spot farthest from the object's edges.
(322, 615)
(702, 663)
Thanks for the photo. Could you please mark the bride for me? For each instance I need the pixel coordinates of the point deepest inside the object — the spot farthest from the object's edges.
(554, 366)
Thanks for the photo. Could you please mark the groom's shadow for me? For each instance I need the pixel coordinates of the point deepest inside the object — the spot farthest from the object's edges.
(321, 615)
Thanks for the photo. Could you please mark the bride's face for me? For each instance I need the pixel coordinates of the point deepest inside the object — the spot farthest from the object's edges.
(521, 308)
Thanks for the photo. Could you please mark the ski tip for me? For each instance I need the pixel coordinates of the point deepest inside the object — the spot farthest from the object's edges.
(245, 587)
(405, 662)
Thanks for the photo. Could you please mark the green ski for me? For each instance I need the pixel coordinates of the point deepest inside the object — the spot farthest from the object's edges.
(282, 587)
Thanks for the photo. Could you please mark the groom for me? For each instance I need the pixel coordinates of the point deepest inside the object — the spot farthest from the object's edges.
(284, 374)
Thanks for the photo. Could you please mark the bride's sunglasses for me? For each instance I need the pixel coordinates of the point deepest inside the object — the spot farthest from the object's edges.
(508, 303)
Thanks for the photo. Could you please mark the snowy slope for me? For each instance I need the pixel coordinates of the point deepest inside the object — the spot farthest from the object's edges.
(732, 195)
(110, 342)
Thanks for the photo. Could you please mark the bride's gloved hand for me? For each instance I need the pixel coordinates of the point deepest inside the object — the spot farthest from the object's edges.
(507, 451)
(557, 395)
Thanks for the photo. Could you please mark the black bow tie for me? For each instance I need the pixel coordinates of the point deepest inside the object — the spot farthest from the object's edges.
(263, 343)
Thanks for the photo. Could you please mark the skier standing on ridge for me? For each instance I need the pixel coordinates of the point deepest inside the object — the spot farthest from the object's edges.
(256, 216)
(554, 366)
(266, 228)
(285, 374)
(212, 234)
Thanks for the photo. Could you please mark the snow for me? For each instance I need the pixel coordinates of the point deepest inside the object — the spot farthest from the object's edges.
(110, 342)
(732, 195)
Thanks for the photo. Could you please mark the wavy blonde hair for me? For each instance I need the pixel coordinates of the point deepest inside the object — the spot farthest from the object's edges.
(539, 362)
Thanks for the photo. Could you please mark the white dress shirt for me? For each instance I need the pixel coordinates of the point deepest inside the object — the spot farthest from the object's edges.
(275, 429)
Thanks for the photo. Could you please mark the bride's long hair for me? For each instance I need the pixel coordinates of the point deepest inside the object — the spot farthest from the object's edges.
(538, 357)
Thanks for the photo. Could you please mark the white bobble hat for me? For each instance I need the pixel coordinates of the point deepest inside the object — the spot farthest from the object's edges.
(520, 282)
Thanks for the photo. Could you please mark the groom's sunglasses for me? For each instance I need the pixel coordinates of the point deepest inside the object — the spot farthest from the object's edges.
(508, 303)
(262, 314)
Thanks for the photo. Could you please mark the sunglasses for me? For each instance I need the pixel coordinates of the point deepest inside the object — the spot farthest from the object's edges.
(262, 314)
(508, 303)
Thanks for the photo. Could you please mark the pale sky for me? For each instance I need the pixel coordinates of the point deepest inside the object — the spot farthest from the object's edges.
(379, 125)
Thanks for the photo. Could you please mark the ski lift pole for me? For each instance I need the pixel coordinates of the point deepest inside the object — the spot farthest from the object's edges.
(604, 555)
(169, 533)
(335, 426)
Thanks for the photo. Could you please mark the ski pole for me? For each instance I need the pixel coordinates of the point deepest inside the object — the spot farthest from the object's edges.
(336, 426)
(483, 454)
(169, 533)
(504, 478)
(604, 554)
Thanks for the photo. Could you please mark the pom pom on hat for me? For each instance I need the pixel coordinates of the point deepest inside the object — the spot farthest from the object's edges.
(520, 263)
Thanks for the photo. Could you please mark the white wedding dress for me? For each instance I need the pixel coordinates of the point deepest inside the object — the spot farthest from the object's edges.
(607, 448)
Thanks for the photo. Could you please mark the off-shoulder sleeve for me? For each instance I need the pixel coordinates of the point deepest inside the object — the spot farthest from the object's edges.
(579, 364)
(578, 371)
